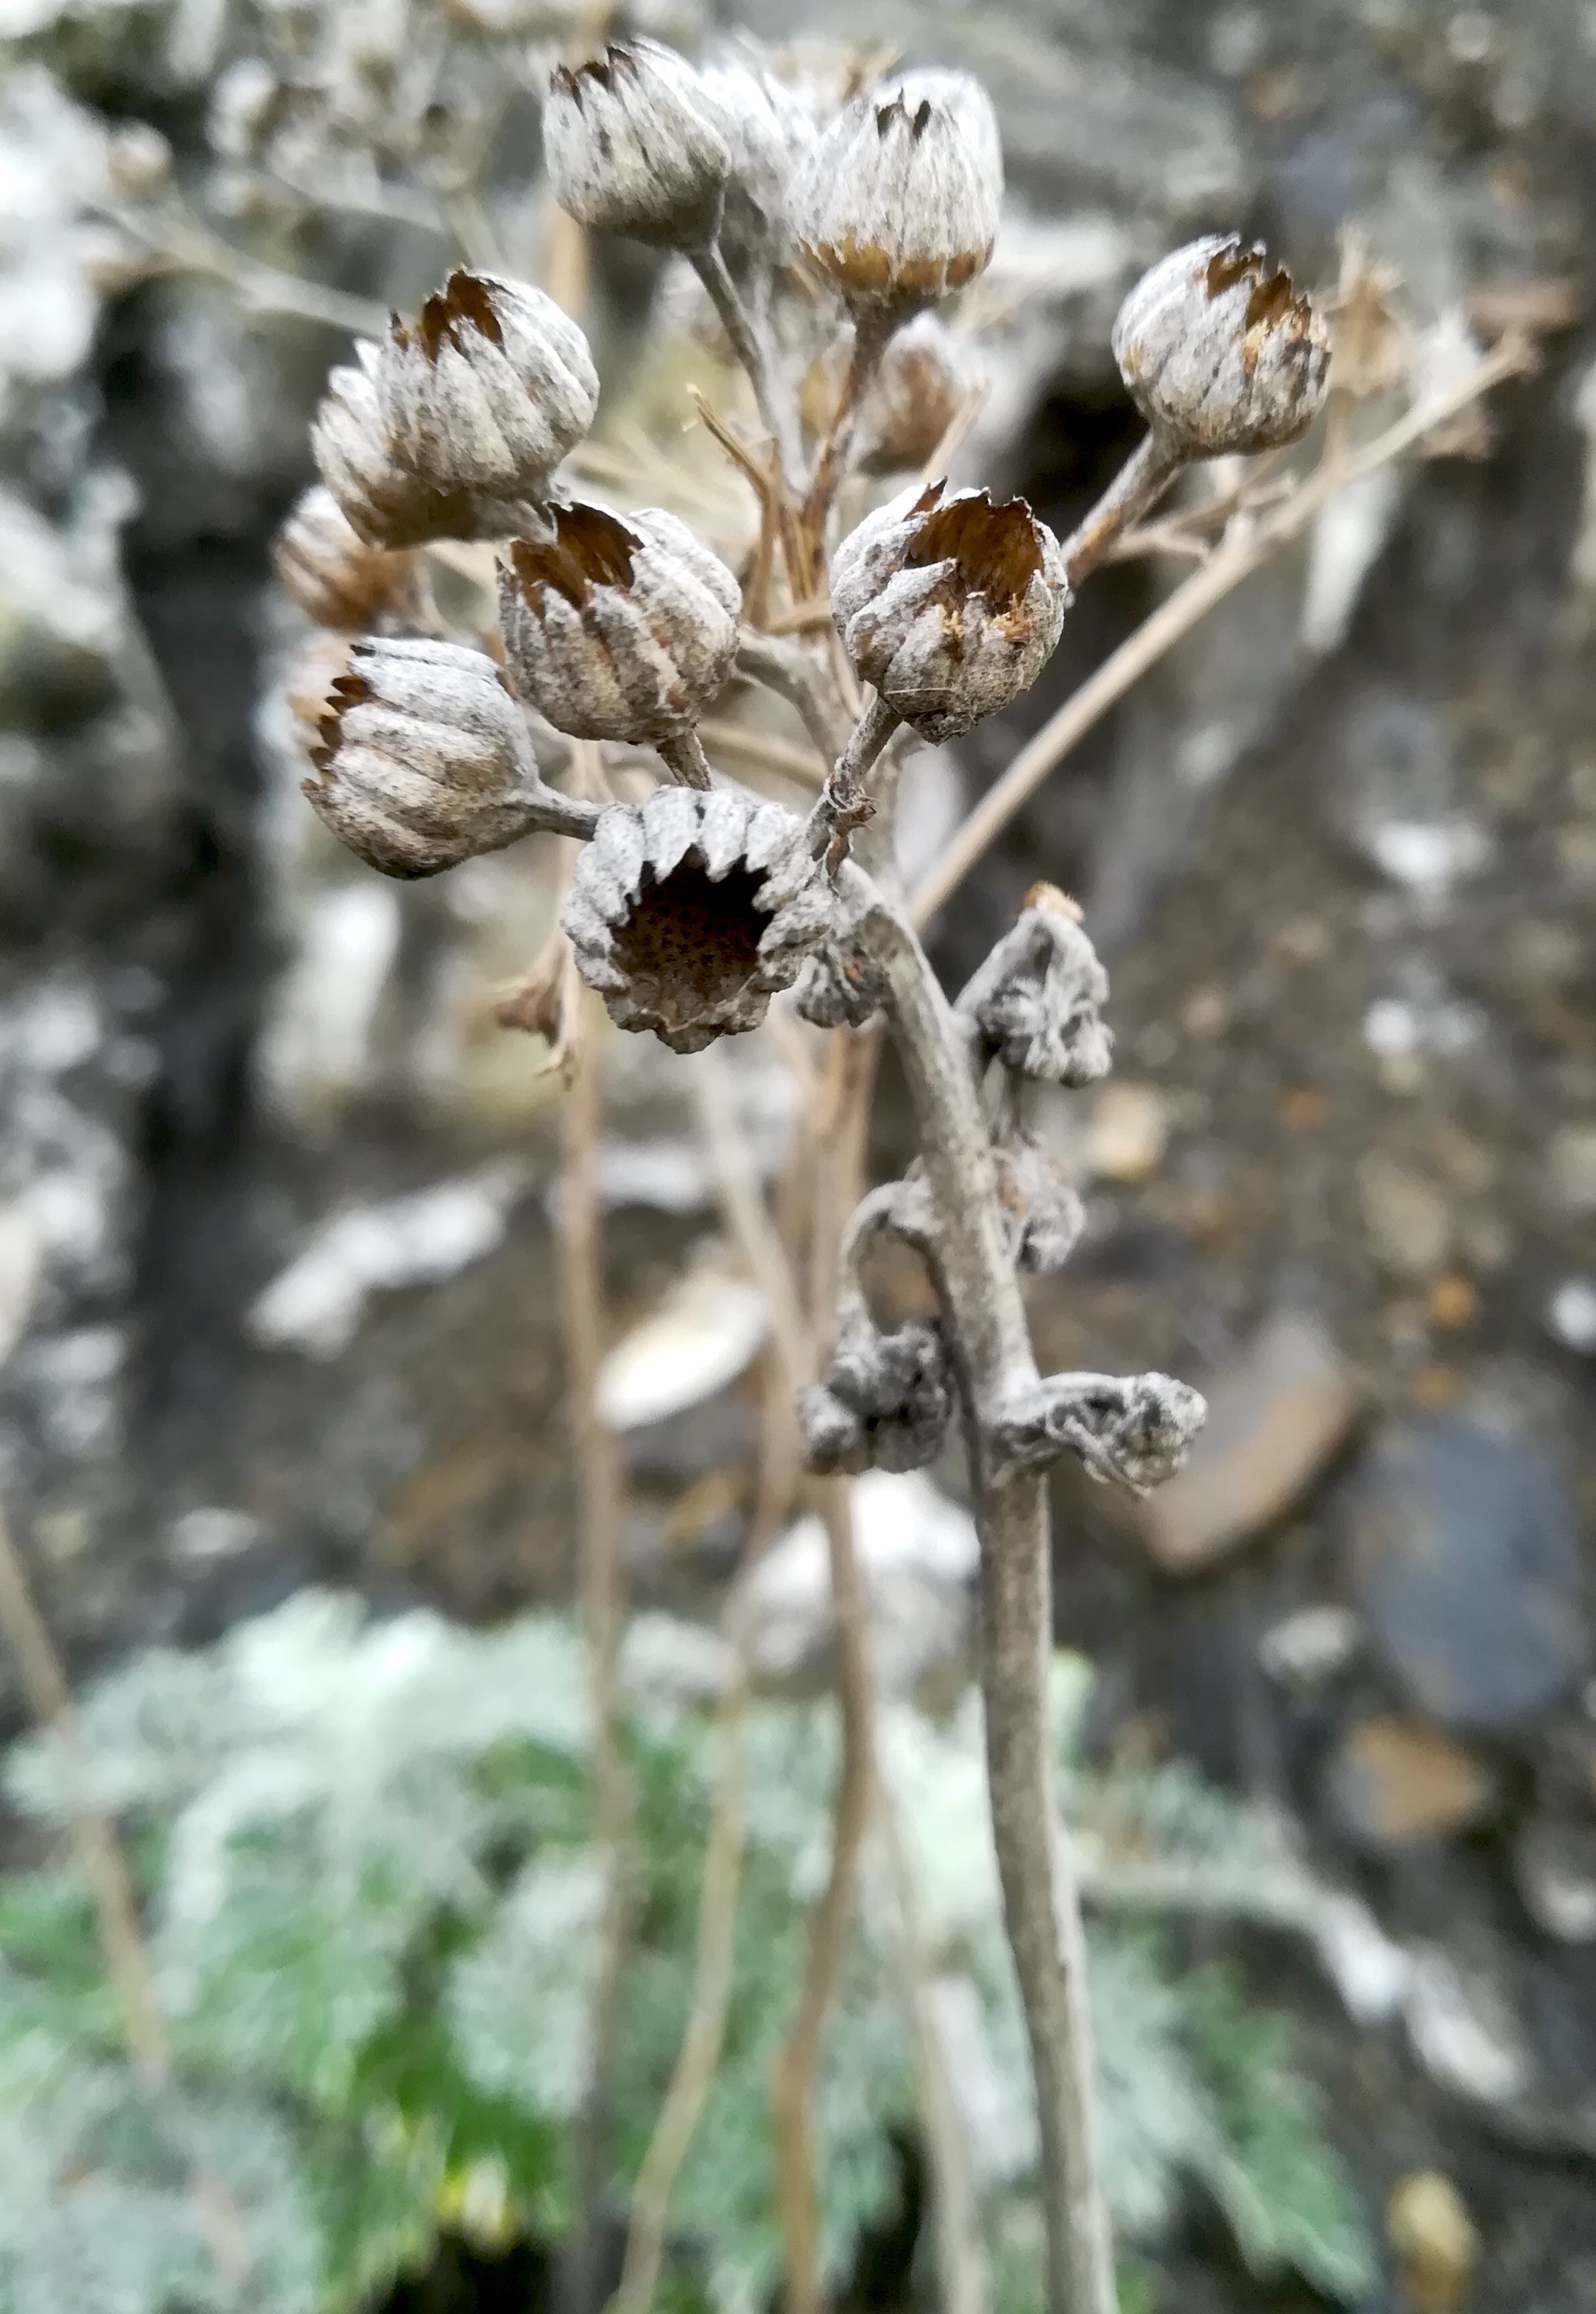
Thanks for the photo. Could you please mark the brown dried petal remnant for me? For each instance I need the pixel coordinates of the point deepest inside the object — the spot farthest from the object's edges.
(453, 425)
(950, 607)
(688, 910)
(1220, 356)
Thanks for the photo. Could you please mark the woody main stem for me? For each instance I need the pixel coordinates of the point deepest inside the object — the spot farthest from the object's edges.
(990, 1344)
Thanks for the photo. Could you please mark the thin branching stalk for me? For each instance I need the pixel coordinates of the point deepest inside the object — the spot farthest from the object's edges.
(990, 1347)
(870, 339)
(1190, 602)
(104, 1866)
(599, 1518)
(1137, 487)
(750, 344)
(961, 2253)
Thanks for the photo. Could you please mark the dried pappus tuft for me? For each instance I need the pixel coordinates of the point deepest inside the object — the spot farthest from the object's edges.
(453, 426)
(635, 145)
(926, 377)
(898, 203)
(950, 606)
(1037, 1001)
(334, 576)
(1220, 356)
(618, 629)
(688, 910)
(884, 1406)
(423, 759)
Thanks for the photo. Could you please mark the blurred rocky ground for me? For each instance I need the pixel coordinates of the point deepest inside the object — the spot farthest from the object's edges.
(275, 1253)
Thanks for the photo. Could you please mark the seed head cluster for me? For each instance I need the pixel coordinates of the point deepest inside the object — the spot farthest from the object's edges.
(830, 227)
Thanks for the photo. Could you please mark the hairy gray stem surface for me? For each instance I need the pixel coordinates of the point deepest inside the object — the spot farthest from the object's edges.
(754, 353)
(989, 1343)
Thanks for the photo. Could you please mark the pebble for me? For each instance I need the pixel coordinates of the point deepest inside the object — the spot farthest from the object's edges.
(1391, 1781)
(1406, 1220)
(1467, 1570)
(1275, 1417)
(704, 1334)
(1553, 1867)
(1310, 1647)
(917, 1556)
(1571, 1315)
(1571, 1167)
(1433, 2239)
(1127, 1134)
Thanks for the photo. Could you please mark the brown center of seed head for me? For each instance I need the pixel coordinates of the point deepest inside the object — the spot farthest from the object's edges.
(995, 550)
(464, 303)
(590, 548)
(689, 945)
(1228, 266)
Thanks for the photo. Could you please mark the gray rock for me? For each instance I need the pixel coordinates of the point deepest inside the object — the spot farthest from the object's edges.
(1466, 1566)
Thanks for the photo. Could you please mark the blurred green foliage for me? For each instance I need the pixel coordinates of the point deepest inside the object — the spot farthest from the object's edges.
(373, 1910)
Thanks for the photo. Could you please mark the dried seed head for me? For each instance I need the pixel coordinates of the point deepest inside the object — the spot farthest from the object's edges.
(768, 136)
(898, 202)
(333, 574)
(453, 425)
(926, 377)
(950, 606)
(422, 759)
(634, 145)
(1043, 1216)
(618, 630)
(884, 1406)
(1220, 356)
(1037, 999)
(962, 97)
(688, 910)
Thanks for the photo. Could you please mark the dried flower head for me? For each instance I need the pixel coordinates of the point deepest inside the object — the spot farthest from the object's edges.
(841, 987)
(618, 630)
(333, 574)
(1220, 356)
(423, 758)
(950, 606)
(898, 202)
(1036, 1003)
(688, 910)
(453, 426)
(634, 145)
(885, 1403)
(926, 377)
(769, 135)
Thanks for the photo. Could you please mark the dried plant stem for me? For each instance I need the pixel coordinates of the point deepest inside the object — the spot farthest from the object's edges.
(798, 2057)
(801, 765)
(744, 1210)
(870, 343)
(749, 344)
(990, 1343)
(961, 2253)
(115, 1897)
(1139, 483)
(1191, 602)
(599, 1516)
